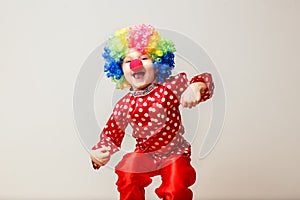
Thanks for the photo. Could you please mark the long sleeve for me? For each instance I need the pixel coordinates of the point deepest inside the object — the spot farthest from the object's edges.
(111, 136)
(179, 83)
(113, 133)
(205, 78)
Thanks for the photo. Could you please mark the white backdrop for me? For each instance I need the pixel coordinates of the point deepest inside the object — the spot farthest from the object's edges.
(254, 44)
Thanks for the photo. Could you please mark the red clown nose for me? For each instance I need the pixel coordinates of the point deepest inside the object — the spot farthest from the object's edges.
(136, 64)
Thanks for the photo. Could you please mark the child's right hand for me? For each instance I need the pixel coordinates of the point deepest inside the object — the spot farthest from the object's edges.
(100, 156)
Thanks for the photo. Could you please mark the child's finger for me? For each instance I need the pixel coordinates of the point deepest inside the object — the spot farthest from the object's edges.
(95, 160)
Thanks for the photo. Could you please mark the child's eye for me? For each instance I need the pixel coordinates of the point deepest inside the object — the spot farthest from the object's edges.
(144, 58)
(127, 61)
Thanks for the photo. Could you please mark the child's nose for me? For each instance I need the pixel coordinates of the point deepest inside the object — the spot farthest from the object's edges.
(136, 64)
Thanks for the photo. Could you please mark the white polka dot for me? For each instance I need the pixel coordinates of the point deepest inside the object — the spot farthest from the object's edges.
(140, 109)
(168, 128)
(163, 99)
(154, 120)
(130, 109)
(160, 90)
(149, 124)
(156, 143)
(151, 109)
(181, 89)
(145, 104)
(164, 133)
(146, 115)
(168, 103)
(171, 97)
(175, 124)
(132, 102)
(140, 124)
(112, 125)
(117, 106)
(125, 107)
(140, 99)
(165, 92)
(169, 86)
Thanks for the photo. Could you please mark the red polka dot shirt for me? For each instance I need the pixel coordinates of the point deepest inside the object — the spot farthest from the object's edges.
(153, 113)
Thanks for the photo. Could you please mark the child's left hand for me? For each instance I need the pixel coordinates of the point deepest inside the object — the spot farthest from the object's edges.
(192, 95)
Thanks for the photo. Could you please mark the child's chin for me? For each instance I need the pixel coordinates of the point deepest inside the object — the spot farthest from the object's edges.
(141, 86)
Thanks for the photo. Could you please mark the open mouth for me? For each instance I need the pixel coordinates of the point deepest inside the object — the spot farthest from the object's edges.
(138, 75)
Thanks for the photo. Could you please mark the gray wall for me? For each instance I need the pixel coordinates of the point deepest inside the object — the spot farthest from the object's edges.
(253, 44)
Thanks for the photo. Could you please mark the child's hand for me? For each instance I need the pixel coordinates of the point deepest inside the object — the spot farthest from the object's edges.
(192, 95)
(100, 156)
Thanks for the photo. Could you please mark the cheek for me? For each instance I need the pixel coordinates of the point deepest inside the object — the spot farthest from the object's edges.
(147, 63)
(152, 73)
(125, 69)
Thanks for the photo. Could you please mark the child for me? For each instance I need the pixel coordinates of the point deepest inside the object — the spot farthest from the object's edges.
(139, 58)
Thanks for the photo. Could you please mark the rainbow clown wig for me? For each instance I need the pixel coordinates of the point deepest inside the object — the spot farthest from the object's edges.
(145, 39)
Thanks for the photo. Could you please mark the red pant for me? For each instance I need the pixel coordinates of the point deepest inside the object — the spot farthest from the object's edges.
(135, 169)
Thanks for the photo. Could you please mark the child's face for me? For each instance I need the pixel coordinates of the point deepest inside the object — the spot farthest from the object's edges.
(139, 77)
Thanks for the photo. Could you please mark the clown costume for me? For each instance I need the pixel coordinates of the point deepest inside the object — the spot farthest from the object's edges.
(139, 58)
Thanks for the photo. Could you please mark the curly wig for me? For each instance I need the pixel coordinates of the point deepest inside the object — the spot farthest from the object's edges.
(145, 39)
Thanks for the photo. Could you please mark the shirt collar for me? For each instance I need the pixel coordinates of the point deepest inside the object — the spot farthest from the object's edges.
(144, 91)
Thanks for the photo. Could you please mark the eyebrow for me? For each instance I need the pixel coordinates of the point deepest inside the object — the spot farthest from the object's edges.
(130, 57)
